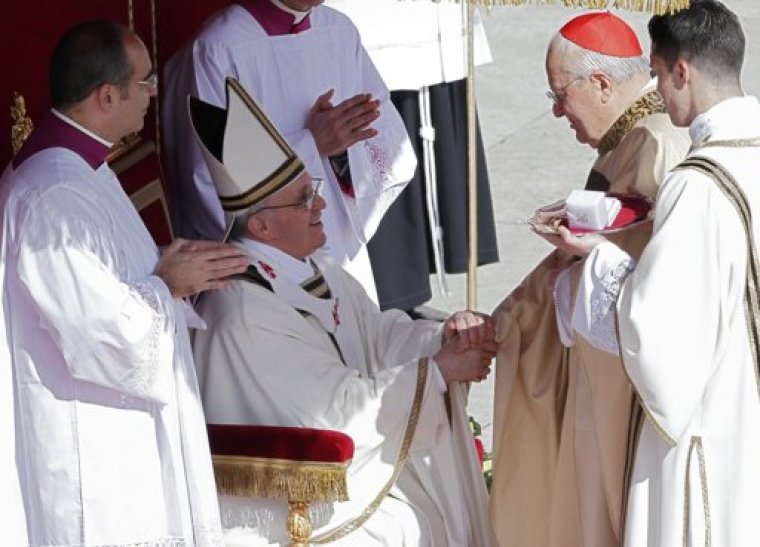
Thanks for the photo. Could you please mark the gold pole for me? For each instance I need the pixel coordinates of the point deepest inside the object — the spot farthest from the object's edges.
(154, 53)
(131, 15)
(472, 166)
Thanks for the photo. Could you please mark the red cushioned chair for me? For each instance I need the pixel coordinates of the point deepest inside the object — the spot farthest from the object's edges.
(297, 464)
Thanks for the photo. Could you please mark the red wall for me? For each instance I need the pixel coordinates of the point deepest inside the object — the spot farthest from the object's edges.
(30, 30)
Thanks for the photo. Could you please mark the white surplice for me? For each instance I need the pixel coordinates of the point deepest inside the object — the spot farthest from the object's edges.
(261, 361)
(685, 346)
(103, 440)
(416, 44)
(286, 74)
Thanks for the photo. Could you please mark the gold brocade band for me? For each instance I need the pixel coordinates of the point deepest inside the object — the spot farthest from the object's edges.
(648, 104)
(636, 420)
(284, 174)
(348, 527)
(738, 199)
(285, 479)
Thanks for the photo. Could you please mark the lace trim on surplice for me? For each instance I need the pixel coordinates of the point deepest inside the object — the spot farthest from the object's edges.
(141, 383)
(602, 306)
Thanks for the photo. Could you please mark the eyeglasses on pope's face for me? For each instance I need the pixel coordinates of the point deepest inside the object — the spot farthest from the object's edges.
(306, 202)
(557, 97)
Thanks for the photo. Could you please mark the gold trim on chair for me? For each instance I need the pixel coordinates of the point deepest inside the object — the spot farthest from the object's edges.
(298, 482)
(22, 124)
(283, 479)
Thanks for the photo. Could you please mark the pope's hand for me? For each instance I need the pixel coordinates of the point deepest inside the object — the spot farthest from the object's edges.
(578, 245)
(190, 267)
(460, 362)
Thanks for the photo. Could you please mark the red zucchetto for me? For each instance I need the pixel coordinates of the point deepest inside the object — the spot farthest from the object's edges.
(604, 33)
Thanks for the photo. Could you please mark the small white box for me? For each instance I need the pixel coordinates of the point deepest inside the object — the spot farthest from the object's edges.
(591, 210)
(587, 210)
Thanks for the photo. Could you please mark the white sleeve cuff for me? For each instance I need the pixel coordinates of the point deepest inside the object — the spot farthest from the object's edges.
(562, 300)
(604, 272)
(437, 376)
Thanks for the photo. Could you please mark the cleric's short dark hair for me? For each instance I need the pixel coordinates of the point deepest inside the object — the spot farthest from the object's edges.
(707, 34)
(88, 56)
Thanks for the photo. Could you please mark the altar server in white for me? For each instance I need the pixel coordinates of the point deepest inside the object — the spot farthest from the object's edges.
(305, 64)
(102, 436)
(687, 312)
(296, 342)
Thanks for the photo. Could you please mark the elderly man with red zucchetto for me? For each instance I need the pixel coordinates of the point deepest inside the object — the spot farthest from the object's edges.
(564, 414)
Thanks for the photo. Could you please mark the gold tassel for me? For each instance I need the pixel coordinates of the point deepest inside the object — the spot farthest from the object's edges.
(652, 6)
(283, 479)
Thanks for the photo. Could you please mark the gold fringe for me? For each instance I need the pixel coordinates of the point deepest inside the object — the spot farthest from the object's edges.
(652, 6)
(283, 479)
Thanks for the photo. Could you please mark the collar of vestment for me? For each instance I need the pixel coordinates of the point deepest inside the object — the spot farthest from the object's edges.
(646, 105)
(58, 131)
(279, 262)
(275, 18)
(300, 283)
(735, 118)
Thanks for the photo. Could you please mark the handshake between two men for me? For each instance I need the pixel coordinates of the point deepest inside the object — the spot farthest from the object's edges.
(468, 347)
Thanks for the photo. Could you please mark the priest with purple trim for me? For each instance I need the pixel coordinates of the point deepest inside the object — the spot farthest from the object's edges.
(102, 435)
(306, 66)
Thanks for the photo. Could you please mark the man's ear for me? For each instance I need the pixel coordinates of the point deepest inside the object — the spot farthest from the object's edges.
(105, 96)
(604, 83)
(260, 229)
(683, 72)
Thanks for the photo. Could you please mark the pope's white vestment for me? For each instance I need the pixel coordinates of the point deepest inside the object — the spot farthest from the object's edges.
(286, 74)
(103, 440)
(268, 358)
(683, 336)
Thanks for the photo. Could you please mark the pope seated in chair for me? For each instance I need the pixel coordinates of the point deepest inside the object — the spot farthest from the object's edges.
(295, 341)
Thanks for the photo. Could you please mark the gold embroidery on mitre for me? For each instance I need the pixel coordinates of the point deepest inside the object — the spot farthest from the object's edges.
(644, 106)
(286, 173)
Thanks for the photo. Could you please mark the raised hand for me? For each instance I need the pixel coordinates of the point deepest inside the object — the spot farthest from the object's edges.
(335, 128)
(190, 267)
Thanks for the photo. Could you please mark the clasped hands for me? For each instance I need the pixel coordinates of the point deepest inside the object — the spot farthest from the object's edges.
(335, 128)
(468, 347)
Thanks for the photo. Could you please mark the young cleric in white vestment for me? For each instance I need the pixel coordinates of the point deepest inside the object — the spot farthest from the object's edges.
(102, 436)
(306, 66)
(297, 342)
(687, 311)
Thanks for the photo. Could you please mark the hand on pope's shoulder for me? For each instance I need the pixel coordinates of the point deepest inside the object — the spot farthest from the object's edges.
(190, 267)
